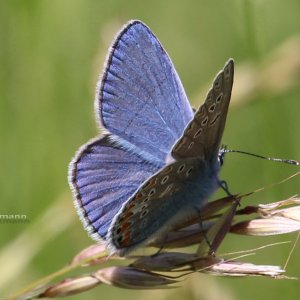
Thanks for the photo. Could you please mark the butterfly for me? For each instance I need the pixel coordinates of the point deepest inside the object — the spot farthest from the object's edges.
(156, 161)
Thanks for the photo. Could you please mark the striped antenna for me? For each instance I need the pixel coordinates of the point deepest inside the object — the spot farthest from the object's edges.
(286, 161)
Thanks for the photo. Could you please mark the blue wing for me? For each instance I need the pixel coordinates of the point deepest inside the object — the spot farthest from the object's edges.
(140, 97)
(103, 176)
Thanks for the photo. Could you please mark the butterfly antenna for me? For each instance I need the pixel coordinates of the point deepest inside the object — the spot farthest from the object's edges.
(286, 161)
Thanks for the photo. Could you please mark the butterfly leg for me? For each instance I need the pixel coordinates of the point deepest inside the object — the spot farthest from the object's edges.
(223, 184)
(161, 246)
(203, 231)
(205, 236)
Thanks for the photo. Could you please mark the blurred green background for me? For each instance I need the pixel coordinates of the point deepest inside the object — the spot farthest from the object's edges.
(51, 53)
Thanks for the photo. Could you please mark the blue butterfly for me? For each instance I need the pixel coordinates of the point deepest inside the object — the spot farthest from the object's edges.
(156, 161)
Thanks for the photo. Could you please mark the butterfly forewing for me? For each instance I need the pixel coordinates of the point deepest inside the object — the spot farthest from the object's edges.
(140, 93)
(202, 136)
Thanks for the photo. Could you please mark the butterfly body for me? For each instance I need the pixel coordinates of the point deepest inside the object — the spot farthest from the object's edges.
(156, 162)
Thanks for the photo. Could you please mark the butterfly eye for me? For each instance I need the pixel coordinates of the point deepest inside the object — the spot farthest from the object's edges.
(221, 160)
(118, 231)
(221, 156)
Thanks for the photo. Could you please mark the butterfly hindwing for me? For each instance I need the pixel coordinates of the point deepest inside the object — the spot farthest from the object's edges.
(203, 134)
(103, 176)
(172, 193)
(140, 93)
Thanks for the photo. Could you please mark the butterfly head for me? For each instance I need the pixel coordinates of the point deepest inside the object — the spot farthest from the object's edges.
(221, 155)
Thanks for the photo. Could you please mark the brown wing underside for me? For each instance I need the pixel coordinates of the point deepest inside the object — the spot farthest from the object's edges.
(202, 136)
